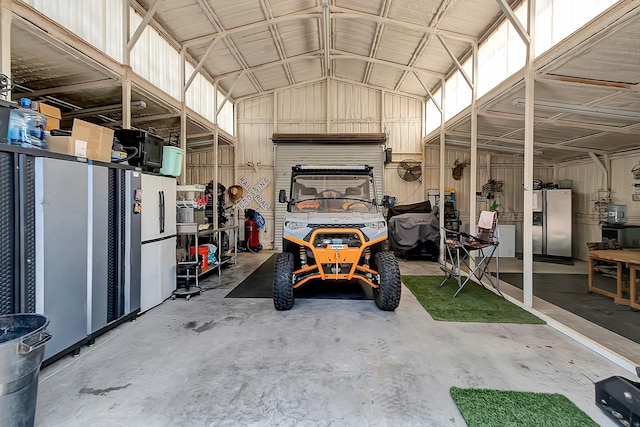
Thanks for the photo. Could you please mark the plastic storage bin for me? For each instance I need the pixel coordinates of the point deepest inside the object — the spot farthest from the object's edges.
(171, 161)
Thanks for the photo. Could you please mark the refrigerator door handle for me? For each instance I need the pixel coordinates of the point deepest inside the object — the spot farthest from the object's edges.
(161, 206)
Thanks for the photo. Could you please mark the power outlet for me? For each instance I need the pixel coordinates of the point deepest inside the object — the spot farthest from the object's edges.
(635, 197)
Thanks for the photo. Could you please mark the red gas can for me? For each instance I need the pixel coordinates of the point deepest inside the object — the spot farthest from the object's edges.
(252, 238)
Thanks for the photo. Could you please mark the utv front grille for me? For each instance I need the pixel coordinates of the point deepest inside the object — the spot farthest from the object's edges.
(351, 237)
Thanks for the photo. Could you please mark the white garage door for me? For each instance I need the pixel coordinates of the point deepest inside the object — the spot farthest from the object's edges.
(288, 154)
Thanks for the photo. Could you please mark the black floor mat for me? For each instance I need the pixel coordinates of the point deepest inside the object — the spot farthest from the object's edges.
(569, 291)
(260, 285)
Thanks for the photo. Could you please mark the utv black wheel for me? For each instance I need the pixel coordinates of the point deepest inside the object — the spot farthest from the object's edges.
(387, 296)
(283, 282)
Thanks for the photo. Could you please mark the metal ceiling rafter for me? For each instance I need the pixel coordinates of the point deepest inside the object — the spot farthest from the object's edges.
(326, 36)
(348, 55)
(343, 13)
(442, 9)
(397, 92)
(377, 37)
(223, 33)
(513, 19)
(277, 39)
(288, 60)
(78, 87)
(228, 95)
(198, 67)
(217, 25)
(514, 141)
(562, 123)
(436, 103)
(455, 60)
(145, 21)
(582, 82)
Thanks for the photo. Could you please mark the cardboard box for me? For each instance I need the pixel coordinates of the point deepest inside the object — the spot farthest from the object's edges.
(53, 115)
(87, 140)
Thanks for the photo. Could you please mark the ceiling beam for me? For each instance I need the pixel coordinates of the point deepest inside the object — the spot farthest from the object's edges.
(277, 39)
(222, 33)
(580, 82)
(562, 123)
(343, 13)
(233, 49)
(377, 37)
(435, 21)
(316, 55)
(78, 87)
(514, 141)
(347, 55)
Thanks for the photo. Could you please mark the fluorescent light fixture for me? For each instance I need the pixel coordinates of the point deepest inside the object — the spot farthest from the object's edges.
(104, 109)
(326, 23)
(516, 150)
(559, 107)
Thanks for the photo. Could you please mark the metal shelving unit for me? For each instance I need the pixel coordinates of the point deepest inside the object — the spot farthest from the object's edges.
(223, 258)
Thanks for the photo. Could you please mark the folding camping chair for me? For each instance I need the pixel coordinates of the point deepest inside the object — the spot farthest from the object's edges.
(460, 246)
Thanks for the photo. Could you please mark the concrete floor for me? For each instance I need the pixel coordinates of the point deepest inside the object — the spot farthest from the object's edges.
(213, 361)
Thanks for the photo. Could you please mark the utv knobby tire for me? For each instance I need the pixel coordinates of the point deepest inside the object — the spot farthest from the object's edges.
(387, 296)
(283, 282)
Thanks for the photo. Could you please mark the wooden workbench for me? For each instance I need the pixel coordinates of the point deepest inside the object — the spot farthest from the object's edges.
(617, 257)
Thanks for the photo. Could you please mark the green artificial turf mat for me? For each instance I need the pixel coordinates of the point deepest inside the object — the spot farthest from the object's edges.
(473, 304)
(488, 408)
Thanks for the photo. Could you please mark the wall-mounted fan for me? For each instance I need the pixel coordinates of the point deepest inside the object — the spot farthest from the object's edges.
(410, 170)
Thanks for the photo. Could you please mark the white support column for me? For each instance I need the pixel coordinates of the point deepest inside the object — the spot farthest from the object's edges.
(529, 82)
(126, 98)
(6, 16)
(473, 179)
(183, 115)
(443, 159)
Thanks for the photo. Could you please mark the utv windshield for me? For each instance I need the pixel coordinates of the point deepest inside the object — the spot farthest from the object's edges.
(333, 193)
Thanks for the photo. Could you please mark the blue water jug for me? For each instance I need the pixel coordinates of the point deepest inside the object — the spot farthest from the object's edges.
(35, 123)
(17, 128)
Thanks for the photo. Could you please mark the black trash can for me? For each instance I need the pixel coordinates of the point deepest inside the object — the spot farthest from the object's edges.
(22, 339)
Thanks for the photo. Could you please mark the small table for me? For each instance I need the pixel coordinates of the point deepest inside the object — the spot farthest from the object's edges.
(617, 257)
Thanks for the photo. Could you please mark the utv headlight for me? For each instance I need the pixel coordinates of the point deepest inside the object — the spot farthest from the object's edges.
(295, 225)
(377, 225)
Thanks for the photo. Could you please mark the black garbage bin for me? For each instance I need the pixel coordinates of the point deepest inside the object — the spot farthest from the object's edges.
(22, 340)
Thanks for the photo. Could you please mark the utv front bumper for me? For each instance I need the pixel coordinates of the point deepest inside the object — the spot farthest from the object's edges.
(339, 254)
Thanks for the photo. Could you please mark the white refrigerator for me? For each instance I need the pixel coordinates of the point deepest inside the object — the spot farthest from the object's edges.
(158, 255)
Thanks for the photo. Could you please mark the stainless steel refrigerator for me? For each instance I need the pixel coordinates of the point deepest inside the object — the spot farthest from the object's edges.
(552, 220)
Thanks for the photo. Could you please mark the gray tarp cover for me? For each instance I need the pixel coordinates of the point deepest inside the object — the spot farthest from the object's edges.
(407, 231)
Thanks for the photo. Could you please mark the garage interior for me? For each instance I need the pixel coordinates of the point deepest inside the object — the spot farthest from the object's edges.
(488, 111)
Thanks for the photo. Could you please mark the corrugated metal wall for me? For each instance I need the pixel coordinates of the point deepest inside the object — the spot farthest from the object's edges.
(104, 30)
(200, 170)
(155, 59)
(588, 178)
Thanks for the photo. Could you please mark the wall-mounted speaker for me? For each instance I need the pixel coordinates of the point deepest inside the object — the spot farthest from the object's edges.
(387, 155)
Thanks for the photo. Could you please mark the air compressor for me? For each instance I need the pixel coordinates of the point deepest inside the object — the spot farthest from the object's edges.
(251, 231)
